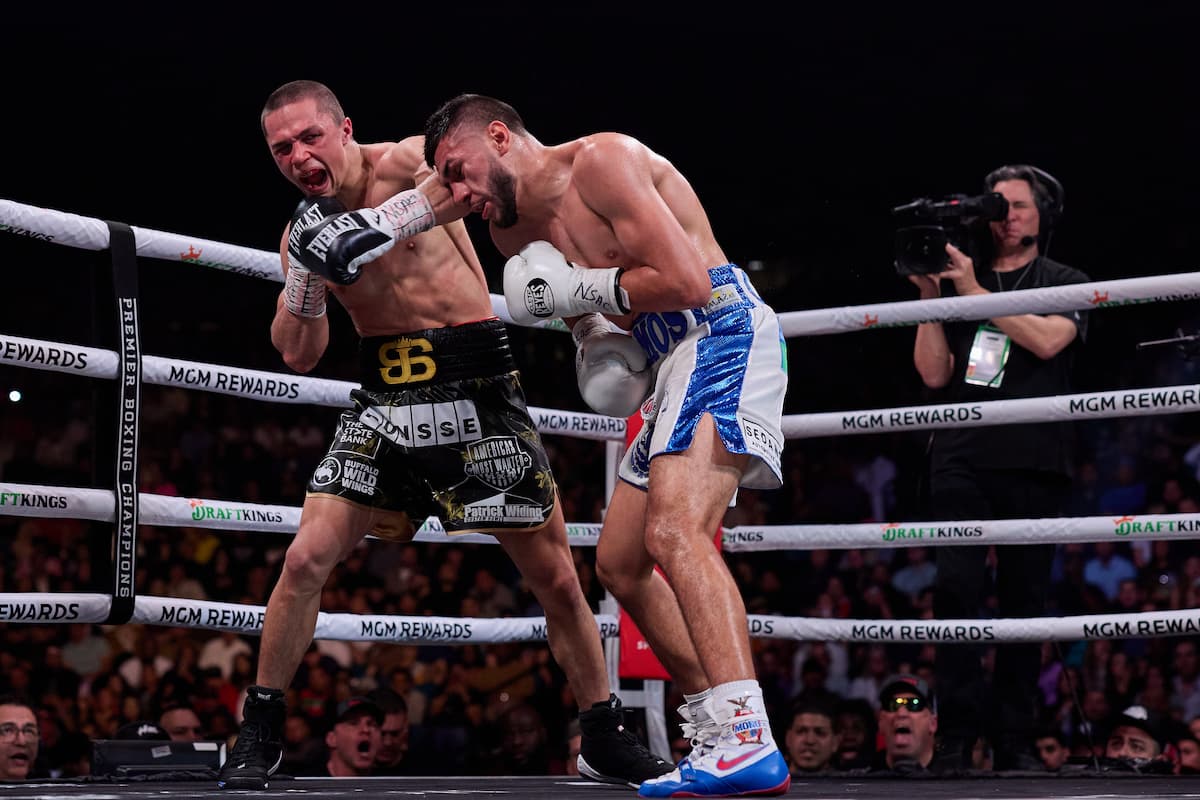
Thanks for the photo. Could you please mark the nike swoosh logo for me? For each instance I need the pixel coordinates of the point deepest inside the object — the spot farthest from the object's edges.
(723, 764)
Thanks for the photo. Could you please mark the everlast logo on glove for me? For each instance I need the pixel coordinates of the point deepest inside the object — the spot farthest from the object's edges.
(309, 217)
(340, 224)
(539, 300)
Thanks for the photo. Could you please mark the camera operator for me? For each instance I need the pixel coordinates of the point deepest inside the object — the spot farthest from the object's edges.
(1013, 471)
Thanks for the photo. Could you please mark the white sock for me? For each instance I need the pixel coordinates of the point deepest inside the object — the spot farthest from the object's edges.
(739, 709)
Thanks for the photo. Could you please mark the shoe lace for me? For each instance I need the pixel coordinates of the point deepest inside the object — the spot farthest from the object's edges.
(703, 737)
(248, 738)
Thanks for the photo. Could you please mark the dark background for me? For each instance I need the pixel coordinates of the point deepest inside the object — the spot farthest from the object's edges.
(800, 125)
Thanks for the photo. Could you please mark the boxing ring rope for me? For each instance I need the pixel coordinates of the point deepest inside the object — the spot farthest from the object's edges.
(40, 607)
(277, 387)
(74, 230)
(99, 505)
(86, 233)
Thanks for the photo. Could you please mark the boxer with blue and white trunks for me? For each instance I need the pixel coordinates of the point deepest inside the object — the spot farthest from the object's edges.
(609, 236)
(704, 364)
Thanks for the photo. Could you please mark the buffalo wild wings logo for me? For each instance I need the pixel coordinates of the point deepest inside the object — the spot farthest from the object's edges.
(327, 471)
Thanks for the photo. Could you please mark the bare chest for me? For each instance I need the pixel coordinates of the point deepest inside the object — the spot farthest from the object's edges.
(581, 235)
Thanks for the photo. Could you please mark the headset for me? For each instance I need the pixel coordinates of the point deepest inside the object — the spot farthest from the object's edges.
(1048, 195)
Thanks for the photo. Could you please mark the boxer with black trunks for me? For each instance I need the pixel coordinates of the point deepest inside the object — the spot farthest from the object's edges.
(440, 426)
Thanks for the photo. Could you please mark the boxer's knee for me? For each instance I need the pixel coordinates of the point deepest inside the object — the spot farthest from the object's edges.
(622, 564)
(306, 567)
(667, 541)
(556, 586)
(613, 578)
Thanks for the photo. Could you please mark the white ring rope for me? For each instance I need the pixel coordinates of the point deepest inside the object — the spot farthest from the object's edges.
(1052, 408)
(86, 233)
(67, 608)
(29, 500)
(99, 505)
(91, 234)
(1184, 622)
(177, 612)
(254, 384)
(272, 386)
(1047, 300)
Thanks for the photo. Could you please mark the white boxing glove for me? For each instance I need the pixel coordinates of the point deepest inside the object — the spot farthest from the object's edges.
(539, 284)
(610, 367)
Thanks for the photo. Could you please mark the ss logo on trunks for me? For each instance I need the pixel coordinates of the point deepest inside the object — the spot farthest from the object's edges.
(401, 366)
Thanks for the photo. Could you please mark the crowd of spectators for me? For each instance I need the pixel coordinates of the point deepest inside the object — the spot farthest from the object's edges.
(479, 709)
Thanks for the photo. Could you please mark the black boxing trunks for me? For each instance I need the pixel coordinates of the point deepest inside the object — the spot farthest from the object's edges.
(440, 429)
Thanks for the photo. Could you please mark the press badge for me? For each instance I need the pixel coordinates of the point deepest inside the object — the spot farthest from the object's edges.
(989, 354)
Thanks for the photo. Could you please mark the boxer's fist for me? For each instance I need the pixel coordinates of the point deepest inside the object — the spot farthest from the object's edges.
(539, 283)
(610, 367)
(333, 242)
(338, 246)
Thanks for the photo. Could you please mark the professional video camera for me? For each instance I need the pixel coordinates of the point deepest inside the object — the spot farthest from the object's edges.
(927, 225)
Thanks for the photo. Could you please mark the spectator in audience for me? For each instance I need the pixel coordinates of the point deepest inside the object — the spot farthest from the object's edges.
(221, 650)
(1128, 494)
(182, 724)
(1051, 745)
(1193, 725)
(354, 740)
(19, 739)
(302, 751)
(1185, 684)
(1136, 740)
(811, 742)
(392, 758)
(907, 723)
(53, 677)
(1188, 748)
(873, 676)
(72, 758)
(85, 652)
(834, 659)
(523, 747)
(855, 726)
(918, 573)
(1107, 568)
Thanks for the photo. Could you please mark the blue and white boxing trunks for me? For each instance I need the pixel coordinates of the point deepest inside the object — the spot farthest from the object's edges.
(727, 359)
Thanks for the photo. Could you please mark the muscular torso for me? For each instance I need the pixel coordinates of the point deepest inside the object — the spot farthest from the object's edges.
(422, 282)
(587, 238)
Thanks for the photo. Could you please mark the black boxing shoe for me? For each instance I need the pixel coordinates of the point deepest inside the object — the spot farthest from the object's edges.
(608, 753)
(259, 747)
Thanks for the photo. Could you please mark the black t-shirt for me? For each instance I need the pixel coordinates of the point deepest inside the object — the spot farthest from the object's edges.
(1042, 446)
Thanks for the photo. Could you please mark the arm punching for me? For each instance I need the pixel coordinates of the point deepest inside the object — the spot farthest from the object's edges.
(335, 243)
